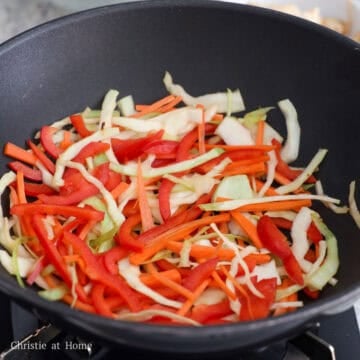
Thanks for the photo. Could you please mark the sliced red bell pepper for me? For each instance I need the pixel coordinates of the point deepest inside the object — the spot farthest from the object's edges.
(165, 149)
(33, 189)
(52, 255)
(199, 274)
(47, 142)
(111, 258)
(161, 162)
(165, 189)
(114, 179)
(29, 173)
(312, 294)
(283, 168)
(253, 307)
(95, 271)
(78, 122)
(275, 241)
(99, 302)
(188, 215)
(90, 150)
(125, 237)
(204, 313)
(188, 141)
(50, 166)
(130, 149)
(87, 212)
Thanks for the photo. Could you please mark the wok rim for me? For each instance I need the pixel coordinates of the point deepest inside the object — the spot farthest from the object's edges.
(301, 317)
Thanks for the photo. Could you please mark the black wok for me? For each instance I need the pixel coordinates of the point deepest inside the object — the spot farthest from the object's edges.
(65, 65)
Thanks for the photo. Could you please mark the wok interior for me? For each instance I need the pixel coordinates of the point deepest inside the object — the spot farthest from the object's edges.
(61, 68)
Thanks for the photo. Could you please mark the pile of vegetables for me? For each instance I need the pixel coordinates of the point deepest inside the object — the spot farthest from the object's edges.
(173, 212)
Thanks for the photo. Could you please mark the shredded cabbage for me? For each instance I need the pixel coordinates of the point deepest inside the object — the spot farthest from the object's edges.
(354, 211)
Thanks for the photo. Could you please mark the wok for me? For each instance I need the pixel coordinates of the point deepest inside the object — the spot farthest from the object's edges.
(65, 65)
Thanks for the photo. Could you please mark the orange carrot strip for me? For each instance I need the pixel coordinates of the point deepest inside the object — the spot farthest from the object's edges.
(241, 147)
(16, 152)
(218, 117)
(119, 189)
(231, 295)
(189, 303)
(66, 141)
(168, 282)
(155, 106)
(270, 192)
(202, 251)
(259, 258)
(293, 297)
(248, 227)
(171, 104)
(245, 169)
(145, 211)
(176, 233)
(149, 280)
(276, 205)
(79, 304)
(86, 229)
(260, 133)
(20, 186)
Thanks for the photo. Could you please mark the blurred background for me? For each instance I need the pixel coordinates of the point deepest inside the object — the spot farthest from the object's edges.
(19, 15)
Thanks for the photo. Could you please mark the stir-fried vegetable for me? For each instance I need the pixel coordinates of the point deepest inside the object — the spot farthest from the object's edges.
(169, 213)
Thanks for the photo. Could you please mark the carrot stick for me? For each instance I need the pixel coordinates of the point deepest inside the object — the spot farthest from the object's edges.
(152, 281)
(259, 258)
(170, 106)
(155, 106)
(176, 233)
(145, 211)
(188, 303)
(119, 189)
(270, 192)
(66, 141)
(276, 205)
(248, 227)
(202, 251)
(18, 153)
(168, 282)
(230, 294)
(244, 169)
(79, 305)
(260, 133)
(241, 147)
(218, 117)
(20, 186)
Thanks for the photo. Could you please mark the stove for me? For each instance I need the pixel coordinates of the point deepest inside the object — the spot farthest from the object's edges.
(23, 337)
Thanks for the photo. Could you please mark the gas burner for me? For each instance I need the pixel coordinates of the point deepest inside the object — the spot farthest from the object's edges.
(336, 337)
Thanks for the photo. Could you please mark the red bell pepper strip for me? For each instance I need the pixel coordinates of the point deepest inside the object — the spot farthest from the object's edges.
(188, 215)
(161, 162)
(111, 258)
(79, 125)
(165, 189)
(188, 141)
(130, 149)
(253, 307)
(29, 173)
(50, 166)
(87, 212)
(313, 232)
(199, 274)
(162, 148)
(275, 241)
(204, 313)
(99, 302)
(96, 272)
(125, 237)
(53, 256)
(283, 168)
(47, 142)
(33, 189)
(90, 150)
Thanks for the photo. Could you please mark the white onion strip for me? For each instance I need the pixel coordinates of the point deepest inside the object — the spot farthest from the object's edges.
(354, 211)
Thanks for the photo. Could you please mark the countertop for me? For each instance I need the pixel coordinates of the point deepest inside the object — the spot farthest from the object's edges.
(19, 15)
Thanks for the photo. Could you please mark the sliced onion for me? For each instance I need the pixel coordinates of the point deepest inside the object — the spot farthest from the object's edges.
(290, 150)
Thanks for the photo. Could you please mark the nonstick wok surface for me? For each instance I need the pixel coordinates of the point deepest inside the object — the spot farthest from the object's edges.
(68, 64)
